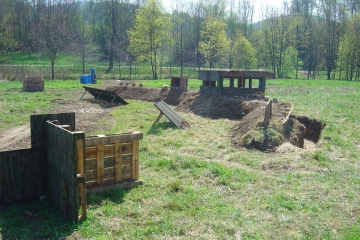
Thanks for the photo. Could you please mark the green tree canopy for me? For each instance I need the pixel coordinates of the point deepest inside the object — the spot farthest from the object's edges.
(349, 50)
(214, 43)
(244, 54)
(149, 33)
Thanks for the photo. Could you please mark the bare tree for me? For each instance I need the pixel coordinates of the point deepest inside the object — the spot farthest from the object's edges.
(52, 31)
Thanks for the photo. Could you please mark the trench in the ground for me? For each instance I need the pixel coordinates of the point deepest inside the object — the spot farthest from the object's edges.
(313, 127)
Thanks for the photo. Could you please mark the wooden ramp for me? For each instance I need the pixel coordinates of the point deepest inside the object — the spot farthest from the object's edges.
(104, 95)
(170, 114)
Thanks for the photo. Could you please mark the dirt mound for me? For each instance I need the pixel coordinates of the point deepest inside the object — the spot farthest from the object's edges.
(249, 131)
(150, 94)
(217, 106)
(210, 105)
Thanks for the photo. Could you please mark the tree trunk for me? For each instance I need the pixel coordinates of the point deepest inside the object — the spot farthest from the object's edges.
(52, 69)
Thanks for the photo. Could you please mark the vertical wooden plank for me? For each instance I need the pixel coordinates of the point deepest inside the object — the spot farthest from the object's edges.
(100, 164)
(118, 162)
(81, 156)
(135, 159)
(83, 200)
(81, 175)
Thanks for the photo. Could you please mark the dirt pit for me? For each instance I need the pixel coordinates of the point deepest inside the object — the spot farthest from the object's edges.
(249, 131)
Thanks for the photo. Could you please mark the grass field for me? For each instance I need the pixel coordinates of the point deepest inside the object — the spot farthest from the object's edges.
(196, 185)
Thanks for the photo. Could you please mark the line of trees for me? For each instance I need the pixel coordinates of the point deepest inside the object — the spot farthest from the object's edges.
(304, 36)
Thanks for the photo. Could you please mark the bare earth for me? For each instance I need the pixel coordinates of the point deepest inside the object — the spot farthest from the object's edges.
(88, 112)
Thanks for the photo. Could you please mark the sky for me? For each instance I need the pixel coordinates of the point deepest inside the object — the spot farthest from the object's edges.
(259, 5)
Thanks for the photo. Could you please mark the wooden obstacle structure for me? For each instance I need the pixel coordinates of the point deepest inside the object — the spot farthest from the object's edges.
(170, 114)
(104, 95)
(241, 81)
(112, 161)
(60, 160)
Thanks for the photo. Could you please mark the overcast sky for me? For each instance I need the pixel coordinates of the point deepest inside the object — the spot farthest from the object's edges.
(260, 6)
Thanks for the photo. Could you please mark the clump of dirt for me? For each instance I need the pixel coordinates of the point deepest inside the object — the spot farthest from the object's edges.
(294, 132)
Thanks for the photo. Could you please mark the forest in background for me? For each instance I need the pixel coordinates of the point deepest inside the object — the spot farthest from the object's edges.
(309, 36)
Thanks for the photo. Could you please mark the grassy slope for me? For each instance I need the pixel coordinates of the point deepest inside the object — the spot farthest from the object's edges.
(197, 184)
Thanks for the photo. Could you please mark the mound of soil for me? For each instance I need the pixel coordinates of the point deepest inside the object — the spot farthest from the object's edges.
(248, 112)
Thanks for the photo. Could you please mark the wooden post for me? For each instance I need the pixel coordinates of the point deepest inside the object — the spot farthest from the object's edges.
(250, 83)
(100, 164)
(135, 159)
(81, 176)
(118, 161)
(231, 82)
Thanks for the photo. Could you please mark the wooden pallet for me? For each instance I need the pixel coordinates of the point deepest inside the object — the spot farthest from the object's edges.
(112, 161)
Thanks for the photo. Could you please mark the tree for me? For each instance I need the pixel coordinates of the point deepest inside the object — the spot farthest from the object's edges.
(277, 36)
(148, 35)
(332, 13)
(214, 43)
(349, 50)
(244, 55)
(53, 28)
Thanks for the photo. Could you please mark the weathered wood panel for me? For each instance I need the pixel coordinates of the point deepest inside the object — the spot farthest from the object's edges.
(62, 169)
(37, 125)
(22, 175)
(113, 138)
(112, 160)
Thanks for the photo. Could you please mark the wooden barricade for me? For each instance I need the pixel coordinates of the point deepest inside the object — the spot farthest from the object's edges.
(65, 169)
(112, 161)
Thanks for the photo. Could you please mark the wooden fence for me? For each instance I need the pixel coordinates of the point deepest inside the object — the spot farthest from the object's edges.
(55, 165)
(65, 170)
(17, 171)
(23, 171)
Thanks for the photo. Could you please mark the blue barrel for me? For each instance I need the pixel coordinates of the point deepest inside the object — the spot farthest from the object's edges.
(92, 73)
(85, 79)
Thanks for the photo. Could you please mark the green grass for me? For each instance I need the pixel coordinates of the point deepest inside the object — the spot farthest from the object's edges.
(196, 185)
(16, 105)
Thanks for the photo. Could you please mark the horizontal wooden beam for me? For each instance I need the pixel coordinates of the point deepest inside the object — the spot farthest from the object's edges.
(123, 185)
(113, 138)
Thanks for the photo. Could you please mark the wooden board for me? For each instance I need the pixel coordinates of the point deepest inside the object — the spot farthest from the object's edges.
(113, 138)
(170, 114)
(112, 159)
(105, 95)
(22, 175)
(37, 125)
(62, 162)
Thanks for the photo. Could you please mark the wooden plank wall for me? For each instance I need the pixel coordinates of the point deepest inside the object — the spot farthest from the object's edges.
(112, 159)
(62, 169)
(21, 175)
(23, 171)
(37, 124)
